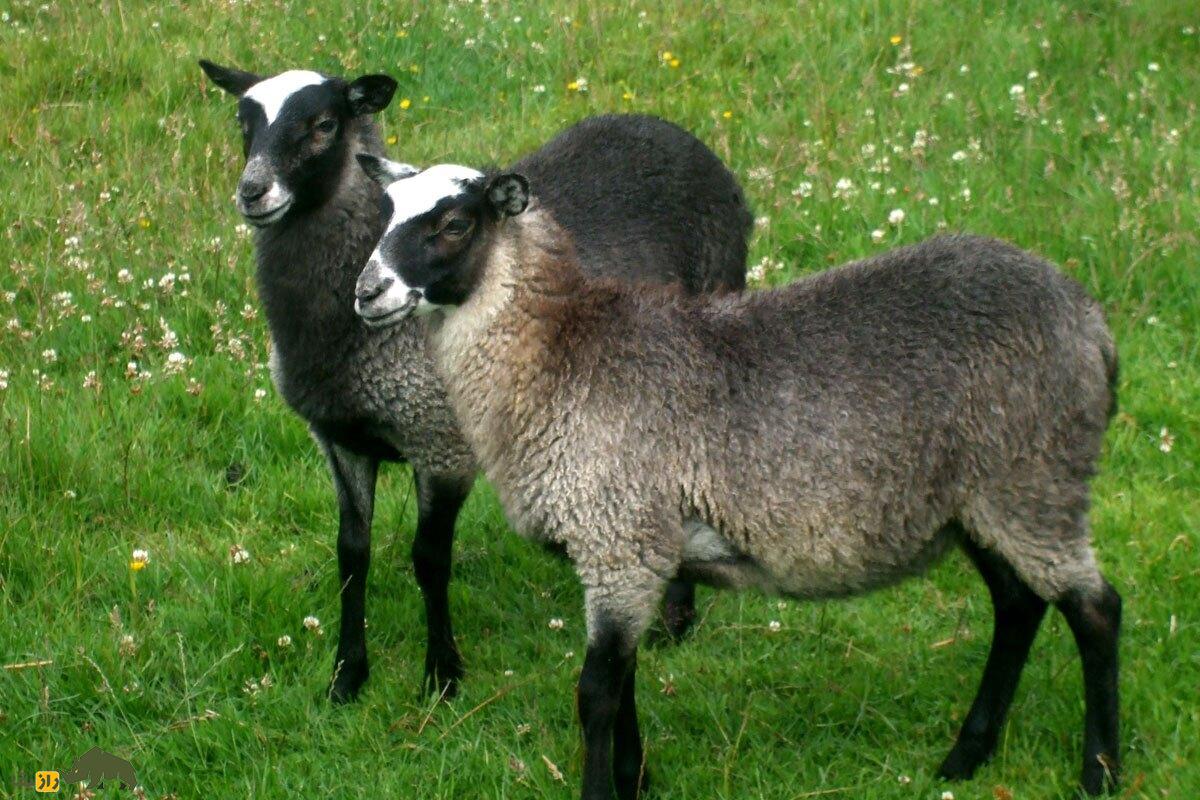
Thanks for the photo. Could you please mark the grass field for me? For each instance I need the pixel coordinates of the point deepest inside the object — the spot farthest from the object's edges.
(1069, 128)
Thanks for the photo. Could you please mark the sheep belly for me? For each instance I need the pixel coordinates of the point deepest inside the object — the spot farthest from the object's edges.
(824, 571)
(710, 558)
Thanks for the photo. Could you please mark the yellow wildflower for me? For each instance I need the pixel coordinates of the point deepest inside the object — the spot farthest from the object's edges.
(897, 39)
(139, 560)
(727, 115)
(405, 104)
(392, 139)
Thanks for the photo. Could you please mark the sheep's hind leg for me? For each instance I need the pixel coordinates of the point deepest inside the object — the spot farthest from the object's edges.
(679, 608)
(439, 499)
(354, 480)
(1017, 613)
(1095, 620)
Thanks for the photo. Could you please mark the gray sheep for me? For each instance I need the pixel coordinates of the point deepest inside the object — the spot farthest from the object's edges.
(819, 440)
(645, 200)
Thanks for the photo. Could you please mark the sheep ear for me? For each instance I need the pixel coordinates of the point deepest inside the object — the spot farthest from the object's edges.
(234, 81)
(370, 94)
(383, 171)
(509, 194)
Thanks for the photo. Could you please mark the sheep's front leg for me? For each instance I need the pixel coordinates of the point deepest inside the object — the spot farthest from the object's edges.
(612, 744)
(439, 500)
(354, 480)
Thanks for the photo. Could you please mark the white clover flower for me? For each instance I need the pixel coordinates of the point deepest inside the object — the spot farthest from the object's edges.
(1153, 66)
(774, 626)
(312, 624)
(877, 235)
(896, 216)
(1166, 440)
(844, 188)
(127, 646)
(50, 355)
(259, 394)
(539, 89)
(284, 642)
(556, 624)
(176, 361)
(947, 795)
(238, 554)
(902, 88)
(959, 156)
(3, 379)
(1017, 90)
(803, 189)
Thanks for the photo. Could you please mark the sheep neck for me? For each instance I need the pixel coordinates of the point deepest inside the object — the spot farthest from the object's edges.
(307, 266)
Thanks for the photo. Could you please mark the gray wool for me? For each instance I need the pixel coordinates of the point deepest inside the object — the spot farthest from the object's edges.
(821, 439)
(627, 184)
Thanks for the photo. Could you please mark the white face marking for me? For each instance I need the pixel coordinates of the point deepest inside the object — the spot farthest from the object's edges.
(412, 197)
(272, 93)
(396, 303)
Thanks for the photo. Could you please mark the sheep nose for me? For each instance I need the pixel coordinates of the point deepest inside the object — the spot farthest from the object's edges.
(250, 191)
(372, 283)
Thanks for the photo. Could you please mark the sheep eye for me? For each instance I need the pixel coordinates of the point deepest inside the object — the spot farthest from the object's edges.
(328, 125)
(457, 227)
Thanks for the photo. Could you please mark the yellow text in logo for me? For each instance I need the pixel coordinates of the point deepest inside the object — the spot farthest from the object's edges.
(46, 781)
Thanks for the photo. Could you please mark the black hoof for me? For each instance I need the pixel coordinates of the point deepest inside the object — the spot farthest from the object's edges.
(633, 785)
(961, 763)
(1099, 777)
(347, 683)
(443, 674)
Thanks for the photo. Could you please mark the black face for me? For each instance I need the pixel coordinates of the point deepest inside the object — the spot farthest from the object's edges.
(439, 221)
(296, 134)
(431, 251)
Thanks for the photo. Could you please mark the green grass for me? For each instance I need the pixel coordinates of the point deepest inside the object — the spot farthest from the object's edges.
(116, 156)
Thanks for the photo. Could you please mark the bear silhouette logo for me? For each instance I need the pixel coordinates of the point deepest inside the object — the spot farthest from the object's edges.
(98, 768)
